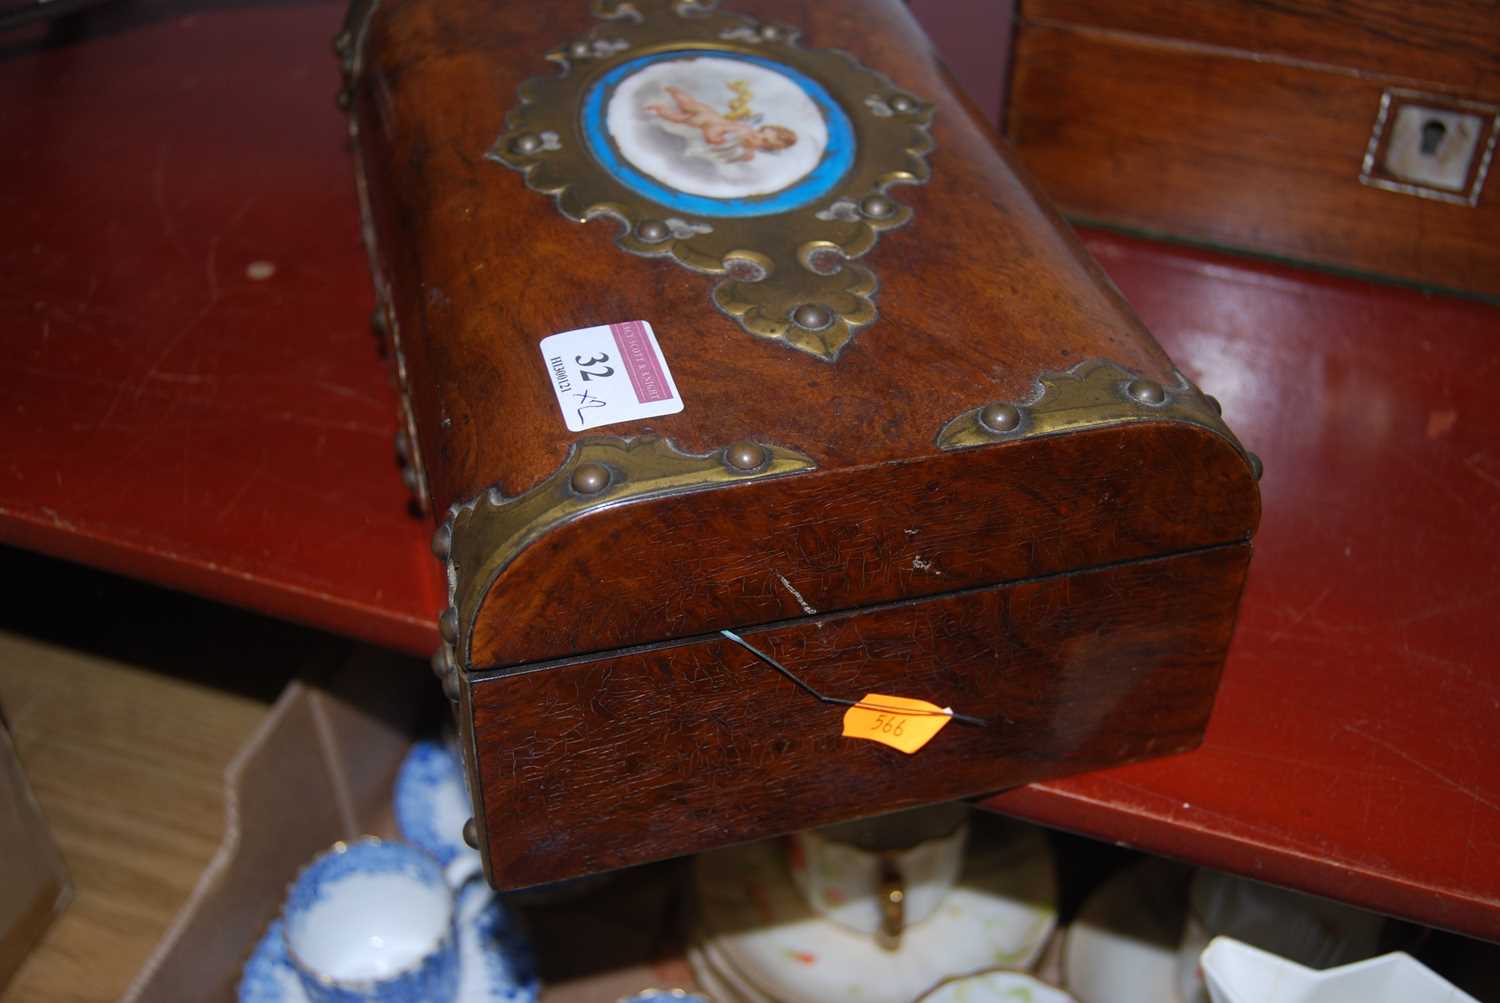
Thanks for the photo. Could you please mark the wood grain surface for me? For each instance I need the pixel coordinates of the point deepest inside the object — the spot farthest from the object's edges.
(1245, 125)
(599, 763)
(1452, 42)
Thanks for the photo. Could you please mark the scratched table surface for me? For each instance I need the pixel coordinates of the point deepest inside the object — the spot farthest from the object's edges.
(191, 395)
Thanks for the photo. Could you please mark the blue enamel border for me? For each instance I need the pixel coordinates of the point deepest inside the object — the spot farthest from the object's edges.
(838, 155)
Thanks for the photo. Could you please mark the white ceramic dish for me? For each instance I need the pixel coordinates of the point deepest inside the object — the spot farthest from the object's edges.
(1122, 947)
(998, 986)
(756, 926)
(719, 979)
(1239, 973)
(708, 979)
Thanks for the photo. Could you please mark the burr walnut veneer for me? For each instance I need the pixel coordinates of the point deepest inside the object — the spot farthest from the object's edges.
(924, 447)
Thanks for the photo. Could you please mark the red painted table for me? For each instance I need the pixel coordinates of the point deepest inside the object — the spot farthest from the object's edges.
(191, 395)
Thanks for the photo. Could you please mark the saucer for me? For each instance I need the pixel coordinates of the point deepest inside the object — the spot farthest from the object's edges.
(431, 802)
(996, 986)
(760, 940)
(495, 964)
(431, 805)
(1122, 948)
(717, 979)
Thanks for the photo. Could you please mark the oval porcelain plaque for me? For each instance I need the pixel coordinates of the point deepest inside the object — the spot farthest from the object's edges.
(718, 134)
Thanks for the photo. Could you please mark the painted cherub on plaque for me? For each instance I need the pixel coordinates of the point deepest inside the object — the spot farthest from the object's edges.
(718, 134)
(731, 136)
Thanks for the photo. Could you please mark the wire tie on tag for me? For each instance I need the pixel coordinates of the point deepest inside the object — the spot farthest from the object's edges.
(773, 663)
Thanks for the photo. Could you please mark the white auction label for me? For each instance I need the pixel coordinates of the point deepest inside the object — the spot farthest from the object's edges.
(608, 374)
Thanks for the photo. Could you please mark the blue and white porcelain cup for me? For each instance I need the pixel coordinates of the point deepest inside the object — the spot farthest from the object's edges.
(376, 922)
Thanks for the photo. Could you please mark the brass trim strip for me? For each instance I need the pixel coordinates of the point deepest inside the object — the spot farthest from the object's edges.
(487, 533)
(1092, 394)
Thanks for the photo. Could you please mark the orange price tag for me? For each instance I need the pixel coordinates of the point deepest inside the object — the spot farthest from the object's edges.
(900, 722)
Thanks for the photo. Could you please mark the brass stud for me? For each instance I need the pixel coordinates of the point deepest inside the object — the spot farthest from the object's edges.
(746, 456)
(653, 231)
(1146, 392)
(1213, 402)
(812, 317)
(580, 50)
(403, 445)
(1256, 467)
(442, 661)
(590, 478)
(901, 103)
(770, 32)
(342, 42)
(448, 625)
(450, 687)
(442, 541)
(410, 478)
(877, 206)
(471, 834)
(1000, 418)
(825, 261)
(744, 270)
(526, 144)
(343, 99)
(379, 324)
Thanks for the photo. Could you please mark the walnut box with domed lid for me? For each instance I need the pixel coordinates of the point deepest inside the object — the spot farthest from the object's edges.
(739, 320)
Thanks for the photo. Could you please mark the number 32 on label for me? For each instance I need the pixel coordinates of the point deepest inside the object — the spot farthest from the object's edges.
(900, 722)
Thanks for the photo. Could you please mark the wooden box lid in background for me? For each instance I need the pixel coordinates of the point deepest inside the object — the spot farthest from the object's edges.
(1275, 129)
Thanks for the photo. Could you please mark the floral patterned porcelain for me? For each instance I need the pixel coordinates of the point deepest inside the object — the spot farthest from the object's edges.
(719, 978)
(842, 881)
(332, 918)
(432, 801)
(762, 942)
(431, 806)
(373, 922)
(494, 965)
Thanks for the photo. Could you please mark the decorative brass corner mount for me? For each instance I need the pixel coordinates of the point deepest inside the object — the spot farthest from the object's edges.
(480, 538)
(1091, 394)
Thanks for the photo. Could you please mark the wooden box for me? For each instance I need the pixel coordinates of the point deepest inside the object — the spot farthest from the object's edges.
(1354, 135)
(865, 402)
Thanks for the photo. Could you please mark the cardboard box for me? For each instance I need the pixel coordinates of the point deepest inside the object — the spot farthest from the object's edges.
(320, 769)
(35, 887)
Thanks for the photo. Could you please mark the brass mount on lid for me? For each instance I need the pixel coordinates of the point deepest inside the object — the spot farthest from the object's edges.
(719, 142)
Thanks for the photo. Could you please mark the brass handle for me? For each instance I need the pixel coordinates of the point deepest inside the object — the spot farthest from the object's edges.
(892, 904)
